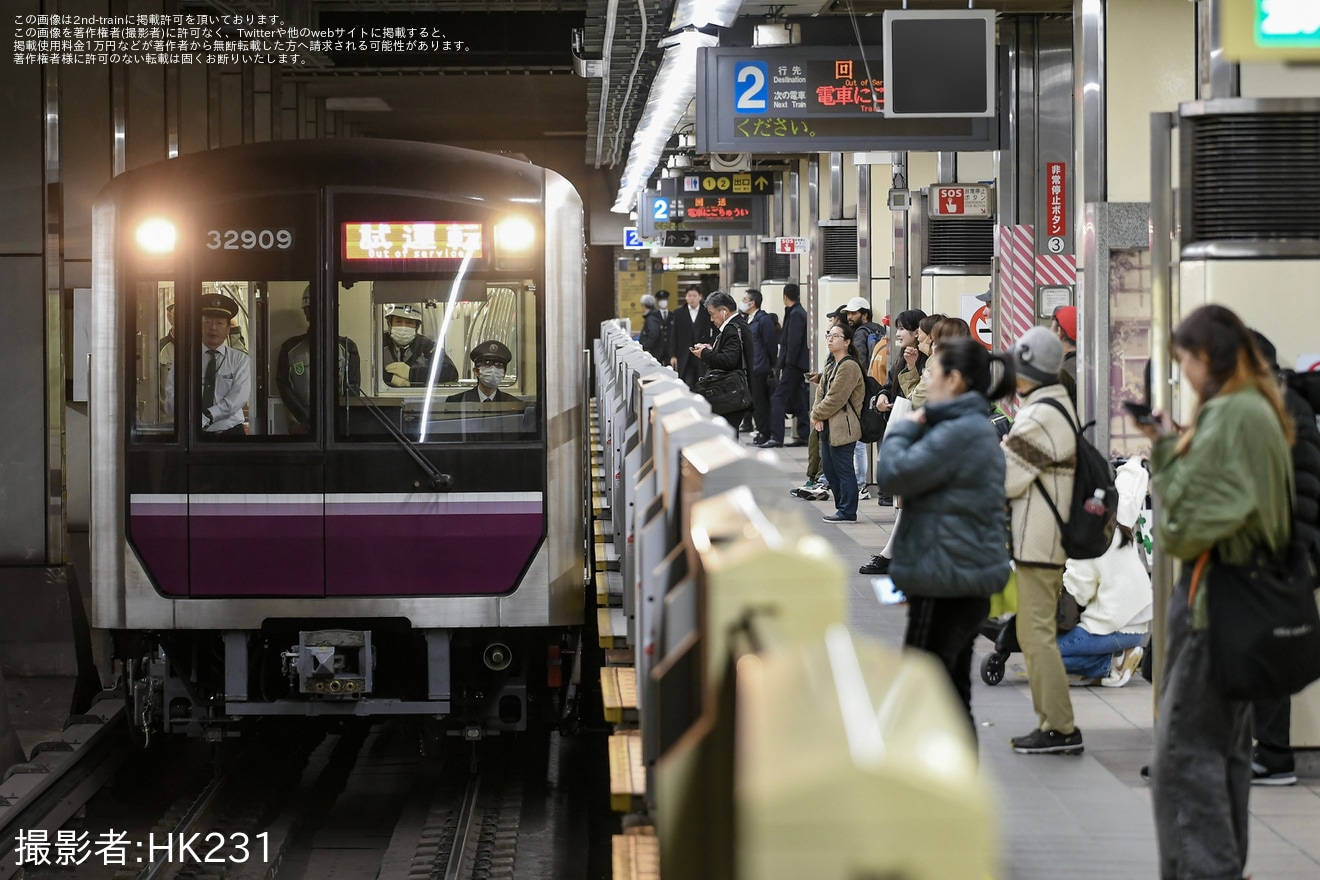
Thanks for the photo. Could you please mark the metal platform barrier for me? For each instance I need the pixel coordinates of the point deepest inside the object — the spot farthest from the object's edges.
(768, 740)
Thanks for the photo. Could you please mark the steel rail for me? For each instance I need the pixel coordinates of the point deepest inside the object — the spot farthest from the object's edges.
(61, 776)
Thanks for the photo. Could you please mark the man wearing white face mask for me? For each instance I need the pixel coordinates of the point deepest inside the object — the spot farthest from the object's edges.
(407, 354)
(490, 361)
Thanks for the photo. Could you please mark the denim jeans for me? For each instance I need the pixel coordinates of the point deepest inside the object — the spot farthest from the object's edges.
(859, 464)
(1088, 654)
(837, 462)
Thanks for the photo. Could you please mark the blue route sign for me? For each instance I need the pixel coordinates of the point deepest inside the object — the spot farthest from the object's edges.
(631, 239)
(751, 88)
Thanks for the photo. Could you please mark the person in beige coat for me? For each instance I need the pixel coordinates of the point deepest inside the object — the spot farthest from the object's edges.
(1041, 454)
(835, 417)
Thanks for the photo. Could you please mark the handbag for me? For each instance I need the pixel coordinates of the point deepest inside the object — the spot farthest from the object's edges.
(1264, 629)
(1068, 613)
(726, 390)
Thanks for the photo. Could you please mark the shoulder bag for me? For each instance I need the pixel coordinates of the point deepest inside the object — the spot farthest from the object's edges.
(726, 390)
(1264, 627)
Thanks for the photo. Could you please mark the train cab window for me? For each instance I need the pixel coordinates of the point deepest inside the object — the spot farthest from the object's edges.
(293, 375)
(448, 361)
(154, 412)
(254, 359)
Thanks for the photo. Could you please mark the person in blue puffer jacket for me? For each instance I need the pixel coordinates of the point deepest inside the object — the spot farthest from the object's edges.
(951, 551)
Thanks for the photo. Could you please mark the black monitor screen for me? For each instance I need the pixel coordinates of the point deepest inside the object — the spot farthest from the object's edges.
(939, 66)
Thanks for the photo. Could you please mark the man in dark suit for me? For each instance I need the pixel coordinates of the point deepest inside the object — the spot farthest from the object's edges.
(690, 326)
(794, 361)
(765, 351)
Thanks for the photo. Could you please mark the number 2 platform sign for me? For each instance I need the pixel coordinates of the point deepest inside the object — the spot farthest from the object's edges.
(751, 88)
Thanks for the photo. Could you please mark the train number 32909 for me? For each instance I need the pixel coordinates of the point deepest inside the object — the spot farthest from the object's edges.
(249, 239)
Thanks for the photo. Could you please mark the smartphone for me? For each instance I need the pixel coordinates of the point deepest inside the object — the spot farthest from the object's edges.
(1140, 412)
(886, 592)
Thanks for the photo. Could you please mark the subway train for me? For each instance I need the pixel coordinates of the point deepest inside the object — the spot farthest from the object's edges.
(337, 426)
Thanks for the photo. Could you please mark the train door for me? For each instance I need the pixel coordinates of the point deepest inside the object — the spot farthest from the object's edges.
(250, 356)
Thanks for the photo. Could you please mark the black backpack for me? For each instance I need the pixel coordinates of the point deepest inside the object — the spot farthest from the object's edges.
(1090, 526)
(873, 422)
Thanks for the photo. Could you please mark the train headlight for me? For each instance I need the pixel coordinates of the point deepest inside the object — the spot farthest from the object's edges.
(156, 236)
(514, 236)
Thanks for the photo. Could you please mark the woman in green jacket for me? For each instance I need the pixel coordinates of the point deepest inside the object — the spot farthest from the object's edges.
(1224, 485)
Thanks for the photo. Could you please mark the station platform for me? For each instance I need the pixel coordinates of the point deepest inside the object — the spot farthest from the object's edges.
(1077, 817)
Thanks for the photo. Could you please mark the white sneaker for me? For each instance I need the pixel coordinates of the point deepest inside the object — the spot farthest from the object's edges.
(817, 494)
(864, 496)
(1121, 673)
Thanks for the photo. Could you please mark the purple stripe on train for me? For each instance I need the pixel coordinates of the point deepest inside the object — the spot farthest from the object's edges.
(423, 547)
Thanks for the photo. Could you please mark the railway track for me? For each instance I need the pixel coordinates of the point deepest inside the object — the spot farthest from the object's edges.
(357, 801)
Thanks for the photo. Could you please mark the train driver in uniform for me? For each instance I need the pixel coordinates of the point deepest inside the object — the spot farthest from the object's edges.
(407, 354)
(293, 371)
(490, 360)
(226, 373)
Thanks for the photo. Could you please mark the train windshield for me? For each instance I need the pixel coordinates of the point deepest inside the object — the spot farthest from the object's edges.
(442, 360)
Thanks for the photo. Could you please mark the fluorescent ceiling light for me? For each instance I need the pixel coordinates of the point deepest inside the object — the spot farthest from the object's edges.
(672, 90)
(699, 13)
(360, 105)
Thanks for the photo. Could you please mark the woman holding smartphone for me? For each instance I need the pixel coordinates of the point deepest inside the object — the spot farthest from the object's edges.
(951, 551)
(1214, 497)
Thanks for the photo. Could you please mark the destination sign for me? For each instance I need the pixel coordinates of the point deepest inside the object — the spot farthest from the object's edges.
(792, 99)
(412, 240)
(718, 208)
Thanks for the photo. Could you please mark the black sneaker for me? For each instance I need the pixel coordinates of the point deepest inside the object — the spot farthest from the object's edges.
(878, 565)
(885, 500)
(1261, 775)
(1048, 742)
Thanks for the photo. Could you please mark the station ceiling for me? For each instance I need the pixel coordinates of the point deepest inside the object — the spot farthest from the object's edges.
(516, 81)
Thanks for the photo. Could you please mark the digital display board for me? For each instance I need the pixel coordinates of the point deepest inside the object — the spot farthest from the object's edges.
(413, 240)
(940, 63)
(707, 202)
(1271, 30)
(792, 99)
(700, 208)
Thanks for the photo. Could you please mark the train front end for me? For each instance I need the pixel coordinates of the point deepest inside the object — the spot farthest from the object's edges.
(336, 428)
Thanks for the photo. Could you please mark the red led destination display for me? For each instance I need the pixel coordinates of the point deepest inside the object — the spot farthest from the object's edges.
(412, 241)
(718, 208)
(790, 99)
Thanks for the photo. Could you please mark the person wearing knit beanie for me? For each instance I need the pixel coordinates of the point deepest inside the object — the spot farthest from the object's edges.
(1039, 455)
(1038, 356)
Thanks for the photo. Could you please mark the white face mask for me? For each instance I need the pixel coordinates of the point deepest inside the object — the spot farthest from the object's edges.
(744, 307)
(403, 335)
(490, 376)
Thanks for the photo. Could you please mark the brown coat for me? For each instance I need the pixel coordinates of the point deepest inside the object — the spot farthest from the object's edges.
(839, 400)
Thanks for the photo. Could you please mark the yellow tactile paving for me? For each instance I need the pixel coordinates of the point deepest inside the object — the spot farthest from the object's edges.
(627, 774)
(618, 685)
(636, 856)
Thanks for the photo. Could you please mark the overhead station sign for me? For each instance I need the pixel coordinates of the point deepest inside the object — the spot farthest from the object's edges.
(792, 99)
(708, 202)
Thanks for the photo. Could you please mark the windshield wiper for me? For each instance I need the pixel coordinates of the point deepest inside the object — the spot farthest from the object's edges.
(437, 481)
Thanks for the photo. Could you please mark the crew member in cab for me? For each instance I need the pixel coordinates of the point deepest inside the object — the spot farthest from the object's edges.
(407, 354)
(490, 361)
(293, 371)
(226, 373)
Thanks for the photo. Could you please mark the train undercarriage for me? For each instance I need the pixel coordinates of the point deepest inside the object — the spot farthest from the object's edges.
(473, 682)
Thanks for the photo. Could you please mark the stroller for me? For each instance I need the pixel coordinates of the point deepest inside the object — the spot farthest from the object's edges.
(1004, 635)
